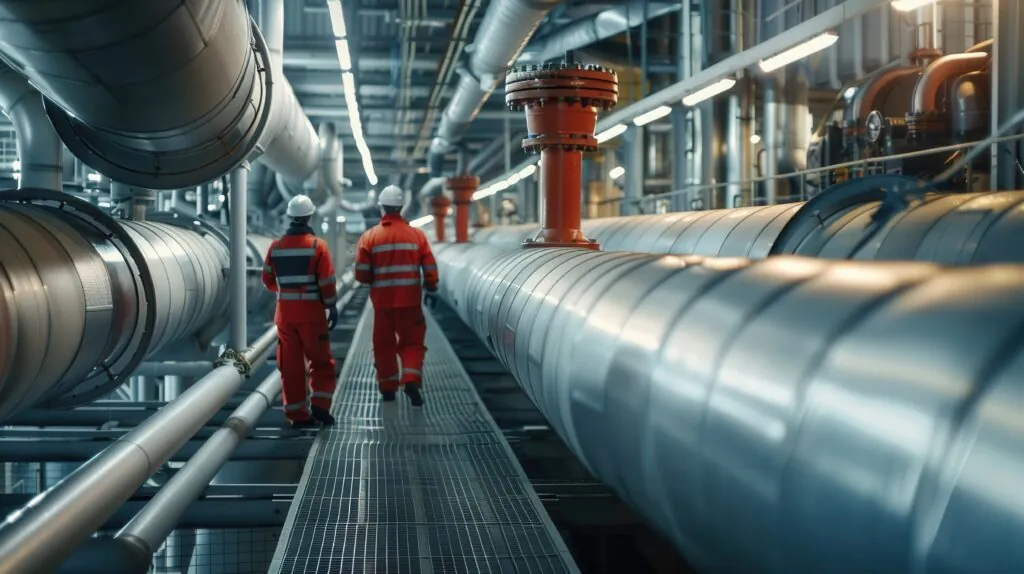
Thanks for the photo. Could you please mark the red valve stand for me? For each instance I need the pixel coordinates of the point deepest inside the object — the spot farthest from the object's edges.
(463, 187)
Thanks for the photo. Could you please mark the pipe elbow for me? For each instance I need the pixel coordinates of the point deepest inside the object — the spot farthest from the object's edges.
(938, 72)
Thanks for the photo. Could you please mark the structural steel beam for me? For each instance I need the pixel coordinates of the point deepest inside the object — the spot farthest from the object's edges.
(82, 450)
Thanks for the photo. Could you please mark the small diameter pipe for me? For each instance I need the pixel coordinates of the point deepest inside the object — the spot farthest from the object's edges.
(150, 527)
(178, 369)
(440, 205)
(237, 284)
(39, 537)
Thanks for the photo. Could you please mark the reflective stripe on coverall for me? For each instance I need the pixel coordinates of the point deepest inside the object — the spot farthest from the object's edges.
(298, 268)
(395, 259)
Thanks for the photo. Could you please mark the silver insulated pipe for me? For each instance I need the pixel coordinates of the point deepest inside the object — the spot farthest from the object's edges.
(84, 298)
(505, 29)
(159, 94)
(783, 416)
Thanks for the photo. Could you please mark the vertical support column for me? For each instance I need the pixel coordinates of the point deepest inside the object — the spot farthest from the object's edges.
(237, 336)
(681, 114)
(1007, 91)
(463, 187)
(496, 198)
(174, 385)
(440, 205)
(633, 189)
(561, 104)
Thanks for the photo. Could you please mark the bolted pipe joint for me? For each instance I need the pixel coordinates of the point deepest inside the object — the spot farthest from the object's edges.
(441, 204)
(463, 187)
(561, 103)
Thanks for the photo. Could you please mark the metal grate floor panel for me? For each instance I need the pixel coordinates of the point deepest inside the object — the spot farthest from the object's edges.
(393, 489)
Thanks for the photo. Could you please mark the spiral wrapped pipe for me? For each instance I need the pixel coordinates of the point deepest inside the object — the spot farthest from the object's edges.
(786, 415)
(968, 228)
(84, 298)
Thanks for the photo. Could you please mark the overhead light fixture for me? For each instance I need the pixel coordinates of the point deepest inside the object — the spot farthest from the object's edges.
(348, 81)
(93, 177)
(482, 193)
(755, 139)
(611, 133)
(337, 18)
(344, 58)
(708, 91)
(421, 221)
(527, 171)
(799, 52)
(16, 165)
(908, 5)
(648, 117)
(617, 172)
(221, 198)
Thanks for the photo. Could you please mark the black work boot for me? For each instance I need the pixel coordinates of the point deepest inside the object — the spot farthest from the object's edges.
(415, 397)
(322, 415)
(388, 396)
(303, 424)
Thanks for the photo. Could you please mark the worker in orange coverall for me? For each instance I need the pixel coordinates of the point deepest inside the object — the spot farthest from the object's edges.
(298, 268)
(390, 258)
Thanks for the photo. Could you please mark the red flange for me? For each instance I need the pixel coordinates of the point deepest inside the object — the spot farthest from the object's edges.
(561, 102)
(440, 204)
(463, 187)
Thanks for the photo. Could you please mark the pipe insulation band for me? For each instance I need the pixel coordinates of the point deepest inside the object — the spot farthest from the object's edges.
(778, 416)
(968, 228)
(172, 94)
(79, 310)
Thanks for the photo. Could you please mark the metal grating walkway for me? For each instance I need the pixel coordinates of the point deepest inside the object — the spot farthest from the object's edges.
(392, 489)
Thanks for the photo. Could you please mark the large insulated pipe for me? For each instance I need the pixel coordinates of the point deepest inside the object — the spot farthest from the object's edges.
(330, 175)
(926, 92)
(84, 299)
(289, 146)
(959, 229)
(592, 29)
(169, 96)
(505, 28)
(39, 149)
(780, 416)
(40, 536)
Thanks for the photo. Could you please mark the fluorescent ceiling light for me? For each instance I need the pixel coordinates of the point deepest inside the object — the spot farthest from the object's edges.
(617, 172)
(344, 58)
(93, 177)
(648, 117)
(337, 18)
(755, 139)
(16, 165)
(527, 171)
(908, 5)
(799, 52)
(485, 192)
(421, 221)
(610, 133)
(708, 91)
(513, 179)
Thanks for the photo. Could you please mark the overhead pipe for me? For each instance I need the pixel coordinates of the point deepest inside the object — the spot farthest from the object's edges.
(40, 151)
(955, 229)
(858, 441)
(84, 298)
(36, 540)
(331, 176)
(499, 39)
(140, 119)
(593, 29)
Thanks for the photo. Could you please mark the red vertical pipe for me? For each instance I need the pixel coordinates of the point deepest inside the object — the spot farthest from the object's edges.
(463, 187)
(441, 204)
(561, 103)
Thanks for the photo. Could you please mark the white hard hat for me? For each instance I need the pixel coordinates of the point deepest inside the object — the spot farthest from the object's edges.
(391, 196)
(300, 206)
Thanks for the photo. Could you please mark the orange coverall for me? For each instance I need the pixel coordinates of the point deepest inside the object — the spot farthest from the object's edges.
(298, 268)
(390, 258)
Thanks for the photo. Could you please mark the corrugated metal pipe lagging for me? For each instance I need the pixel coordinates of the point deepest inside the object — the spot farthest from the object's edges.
(505, 29)
(169, 96)
(784, 416)
(84, 298)
(957, 229)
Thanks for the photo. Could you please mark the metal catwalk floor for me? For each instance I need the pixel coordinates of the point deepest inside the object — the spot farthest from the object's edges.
(392, 489)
